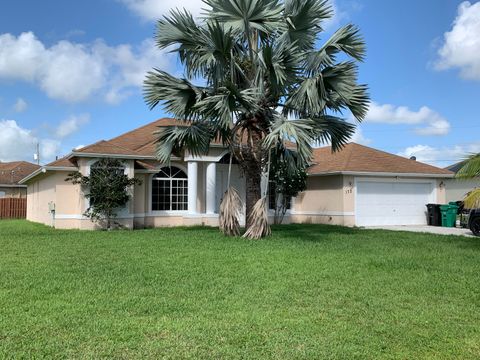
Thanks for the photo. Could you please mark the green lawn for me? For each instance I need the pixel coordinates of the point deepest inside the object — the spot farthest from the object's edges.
(308, 292)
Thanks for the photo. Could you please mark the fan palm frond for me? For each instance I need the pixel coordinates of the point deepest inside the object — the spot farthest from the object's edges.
(332, 129)
(259, 227)
(194, 137)
(472, 199)
(304, 18)
(178, 96)
(470, 168)
(345, 40)
(230, 209)
(296, 132)
(264, 16)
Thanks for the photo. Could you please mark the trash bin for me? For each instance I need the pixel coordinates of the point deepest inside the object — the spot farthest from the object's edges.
(449, 215)
(434, 216)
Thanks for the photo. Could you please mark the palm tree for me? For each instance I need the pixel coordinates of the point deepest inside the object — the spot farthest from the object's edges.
(255, 78)
(471, 170)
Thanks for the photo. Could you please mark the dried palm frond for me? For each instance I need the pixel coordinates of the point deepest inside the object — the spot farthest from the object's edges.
(230, 209)
(472, 199)
(259, 220)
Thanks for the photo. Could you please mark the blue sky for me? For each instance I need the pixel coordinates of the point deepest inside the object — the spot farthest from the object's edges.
(71, 73)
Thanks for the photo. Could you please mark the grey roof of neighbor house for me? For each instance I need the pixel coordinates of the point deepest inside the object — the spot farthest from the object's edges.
(12, 172)
(353, 157)
(455, 167)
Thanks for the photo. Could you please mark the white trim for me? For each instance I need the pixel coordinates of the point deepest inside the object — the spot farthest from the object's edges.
(163, 213)
(113, 156)
(13, 186)
(385, 174)
(182, 214)
(44, 169)
(192, 185)
(403, 180)
(323, 213)
(211, 188)
(151, 212)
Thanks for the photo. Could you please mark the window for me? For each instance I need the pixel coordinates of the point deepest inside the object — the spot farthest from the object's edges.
(170, 190)
(272, 203)
(2, 194)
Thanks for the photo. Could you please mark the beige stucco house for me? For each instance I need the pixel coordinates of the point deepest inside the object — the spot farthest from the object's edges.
(358, 186)
(10, 175)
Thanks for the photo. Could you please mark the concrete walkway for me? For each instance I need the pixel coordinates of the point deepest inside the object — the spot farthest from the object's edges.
(426, 229)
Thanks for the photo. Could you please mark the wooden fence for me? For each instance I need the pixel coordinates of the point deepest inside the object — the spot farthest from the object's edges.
(13, 208)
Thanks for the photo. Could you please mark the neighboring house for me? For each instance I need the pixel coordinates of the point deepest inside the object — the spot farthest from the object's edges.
(10, 175)
(357, 186)
(458, 188)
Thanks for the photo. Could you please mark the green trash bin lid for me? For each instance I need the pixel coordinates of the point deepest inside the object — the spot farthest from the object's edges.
(444, 207)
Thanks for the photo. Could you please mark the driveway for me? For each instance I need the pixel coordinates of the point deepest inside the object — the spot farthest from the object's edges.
(426, 229)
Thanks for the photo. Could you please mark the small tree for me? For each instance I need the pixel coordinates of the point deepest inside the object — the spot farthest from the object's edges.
(287, 182)
(107, 188)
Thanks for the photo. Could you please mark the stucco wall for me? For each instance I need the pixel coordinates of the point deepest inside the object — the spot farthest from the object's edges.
(324, 202)
(323, 194)
(457, 189)
(43, 192)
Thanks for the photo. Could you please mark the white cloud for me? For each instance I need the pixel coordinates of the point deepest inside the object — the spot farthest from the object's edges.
(359, 138)
(152, 10)
(71, 125)
(428, 121)
(461, 45)
(49, 148)
(72, 72)
(440, 156)
(20, 105)
(75, 72)
(17, 143)
(133, 64)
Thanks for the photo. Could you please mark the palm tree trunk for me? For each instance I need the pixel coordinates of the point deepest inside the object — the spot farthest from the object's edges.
(253, 177)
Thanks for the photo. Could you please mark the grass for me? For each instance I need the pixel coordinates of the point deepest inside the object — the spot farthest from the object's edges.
(308, 292)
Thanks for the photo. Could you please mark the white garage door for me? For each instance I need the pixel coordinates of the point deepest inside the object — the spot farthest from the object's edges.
(392, 203)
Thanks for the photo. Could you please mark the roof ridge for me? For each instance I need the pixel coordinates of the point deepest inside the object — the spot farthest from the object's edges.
(139, 128)
(395, 155)
(108, 143)
(86, 146)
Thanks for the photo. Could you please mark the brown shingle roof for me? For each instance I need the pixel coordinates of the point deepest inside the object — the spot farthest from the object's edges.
(143, 136)
(106, 147)
(12, 172)
(352, 158)
(63, 162)
(358, 158)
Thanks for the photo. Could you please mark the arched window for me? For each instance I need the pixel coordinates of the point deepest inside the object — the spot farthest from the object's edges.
(170, 190)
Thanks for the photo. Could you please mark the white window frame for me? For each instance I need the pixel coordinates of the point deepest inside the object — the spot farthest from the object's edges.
(170, 179)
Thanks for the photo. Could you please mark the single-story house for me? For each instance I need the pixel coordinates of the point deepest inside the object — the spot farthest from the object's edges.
(458, 188)
(10, 175)
(357, 186)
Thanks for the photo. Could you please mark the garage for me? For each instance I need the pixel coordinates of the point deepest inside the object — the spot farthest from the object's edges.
(379, 202)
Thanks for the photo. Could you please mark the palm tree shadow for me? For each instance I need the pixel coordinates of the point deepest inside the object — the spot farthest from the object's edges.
(312, 232)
